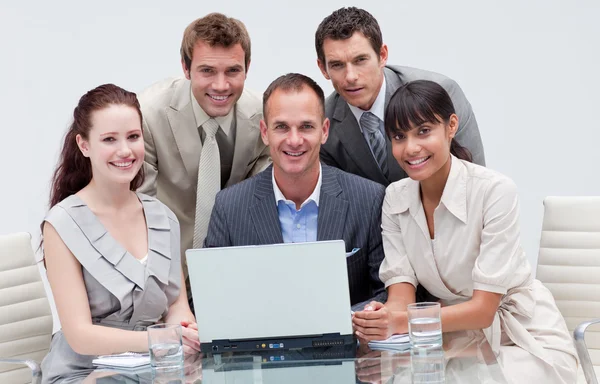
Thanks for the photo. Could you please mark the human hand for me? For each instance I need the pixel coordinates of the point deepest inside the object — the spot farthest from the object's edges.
(191, 342)
(192, 368)
(368, 368)
(375, 322)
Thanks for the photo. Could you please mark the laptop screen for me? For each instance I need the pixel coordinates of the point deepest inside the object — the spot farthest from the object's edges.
(279, 290)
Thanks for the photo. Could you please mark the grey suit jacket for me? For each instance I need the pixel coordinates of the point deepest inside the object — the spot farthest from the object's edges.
(347, 149)
(173, 146)
(349, 209)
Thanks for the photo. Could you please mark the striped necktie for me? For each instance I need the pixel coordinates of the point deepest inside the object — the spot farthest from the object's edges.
(209, 181)
(371, 124)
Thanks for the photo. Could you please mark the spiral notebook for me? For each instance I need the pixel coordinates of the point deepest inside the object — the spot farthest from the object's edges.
(122, 360)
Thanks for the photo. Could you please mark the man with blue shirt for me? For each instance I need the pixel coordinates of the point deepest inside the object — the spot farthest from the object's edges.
(298, 199)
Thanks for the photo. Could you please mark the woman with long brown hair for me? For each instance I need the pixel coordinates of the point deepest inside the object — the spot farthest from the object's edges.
(112, 255)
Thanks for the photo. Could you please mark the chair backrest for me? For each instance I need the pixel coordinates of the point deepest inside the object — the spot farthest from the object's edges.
(25, 316)
(569, 261)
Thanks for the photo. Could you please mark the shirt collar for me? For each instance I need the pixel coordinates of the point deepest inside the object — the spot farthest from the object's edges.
(201, 116)
(454, 197)
(378, 107)
(314, 196)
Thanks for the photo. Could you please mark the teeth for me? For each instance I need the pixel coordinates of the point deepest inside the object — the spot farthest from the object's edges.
(417, 162)
(296, 154)
(220, 98)
(127, 164)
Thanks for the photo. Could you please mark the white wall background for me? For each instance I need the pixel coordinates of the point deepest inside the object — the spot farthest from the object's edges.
(529, 68)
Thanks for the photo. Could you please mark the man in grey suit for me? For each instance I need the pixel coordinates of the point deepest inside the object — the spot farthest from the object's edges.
(298, 199)
(201, 131)
(351, 53)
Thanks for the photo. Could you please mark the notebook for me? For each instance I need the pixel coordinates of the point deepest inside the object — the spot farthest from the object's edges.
(125, 360)
(400, 342)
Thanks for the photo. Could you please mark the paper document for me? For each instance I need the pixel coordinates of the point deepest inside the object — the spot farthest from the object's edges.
(400, 342)
(123, 360)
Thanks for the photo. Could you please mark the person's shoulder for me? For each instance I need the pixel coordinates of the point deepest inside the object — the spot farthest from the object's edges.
(400, 187)
(238, 192)
(488, 180)
(159, 94)
(411, 74)
(160, 205)
(249, 104)
(63, 213)
(349, 179)
(331, 103)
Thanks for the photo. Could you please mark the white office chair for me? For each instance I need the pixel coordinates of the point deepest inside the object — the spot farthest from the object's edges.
(569, 265)
(25, 316)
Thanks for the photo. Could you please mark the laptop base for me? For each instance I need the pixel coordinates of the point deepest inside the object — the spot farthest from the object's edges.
(280, 343)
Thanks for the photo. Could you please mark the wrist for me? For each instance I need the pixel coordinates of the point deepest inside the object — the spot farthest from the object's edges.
(400, 322)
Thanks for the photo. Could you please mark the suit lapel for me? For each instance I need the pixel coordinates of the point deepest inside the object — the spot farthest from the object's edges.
(332, 207)
(353, 140)
(264, 210)
(393, 81)
(183, 124)
(245, 141)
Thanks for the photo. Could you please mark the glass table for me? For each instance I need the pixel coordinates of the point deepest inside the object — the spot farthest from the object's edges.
(466, 357)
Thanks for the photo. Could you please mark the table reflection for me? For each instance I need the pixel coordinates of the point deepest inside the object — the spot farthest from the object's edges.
(465, 357)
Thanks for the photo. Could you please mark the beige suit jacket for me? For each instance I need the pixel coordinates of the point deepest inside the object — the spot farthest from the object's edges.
(173, 146)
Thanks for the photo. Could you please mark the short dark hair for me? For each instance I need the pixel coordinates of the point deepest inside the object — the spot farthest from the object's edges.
(419, 102)
(343, 23)
(215, 29)
(293, 82)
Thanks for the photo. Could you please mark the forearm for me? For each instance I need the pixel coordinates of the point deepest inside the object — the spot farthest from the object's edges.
(180, 309)
(400, 296)
(90, 339)
(465, 316)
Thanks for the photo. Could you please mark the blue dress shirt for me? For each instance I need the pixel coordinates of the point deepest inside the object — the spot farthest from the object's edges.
(298, 226)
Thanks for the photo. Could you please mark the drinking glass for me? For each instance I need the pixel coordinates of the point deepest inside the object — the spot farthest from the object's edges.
(424, 325)
(427, 365)
(166, 347)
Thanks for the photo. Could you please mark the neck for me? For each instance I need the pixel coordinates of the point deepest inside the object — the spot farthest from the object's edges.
(432, 188)
(376, 93)
(297, 188)
(112, 196)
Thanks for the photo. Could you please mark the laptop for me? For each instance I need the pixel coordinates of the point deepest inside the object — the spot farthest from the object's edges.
(270, 297)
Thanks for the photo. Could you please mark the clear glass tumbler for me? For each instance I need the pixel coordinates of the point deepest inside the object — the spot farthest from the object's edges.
(424, 325)
(166, 347)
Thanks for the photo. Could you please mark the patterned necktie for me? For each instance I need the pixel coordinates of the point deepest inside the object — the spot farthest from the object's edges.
(370, 123)
(209, 181)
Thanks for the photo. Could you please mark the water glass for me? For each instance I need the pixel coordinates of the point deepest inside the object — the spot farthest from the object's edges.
(427, 365)
(166, 347)
(424, 325)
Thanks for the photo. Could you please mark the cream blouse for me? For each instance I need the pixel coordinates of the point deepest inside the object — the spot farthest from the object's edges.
(476, 232)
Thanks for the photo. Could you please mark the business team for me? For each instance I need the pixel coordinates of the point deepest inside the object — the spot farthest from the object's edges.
(196, 163)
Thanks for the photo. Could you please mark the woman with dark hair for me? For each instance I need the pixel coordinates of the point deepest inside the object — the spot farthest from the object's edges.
(453, 227)
(112, 255)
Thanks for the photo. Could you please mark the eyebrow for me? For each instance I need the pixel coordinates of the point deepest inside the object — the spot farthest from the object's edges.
(116, 133)
(202, 66)
(303, 122)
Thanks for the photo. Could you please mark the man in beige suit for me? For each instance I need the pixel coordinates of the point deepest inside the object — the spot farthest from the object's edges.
(202, 132)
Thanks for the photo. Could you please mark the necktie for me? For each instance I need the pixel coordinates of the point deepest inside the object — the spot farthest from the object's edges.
(209, 181)
(370, 123)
